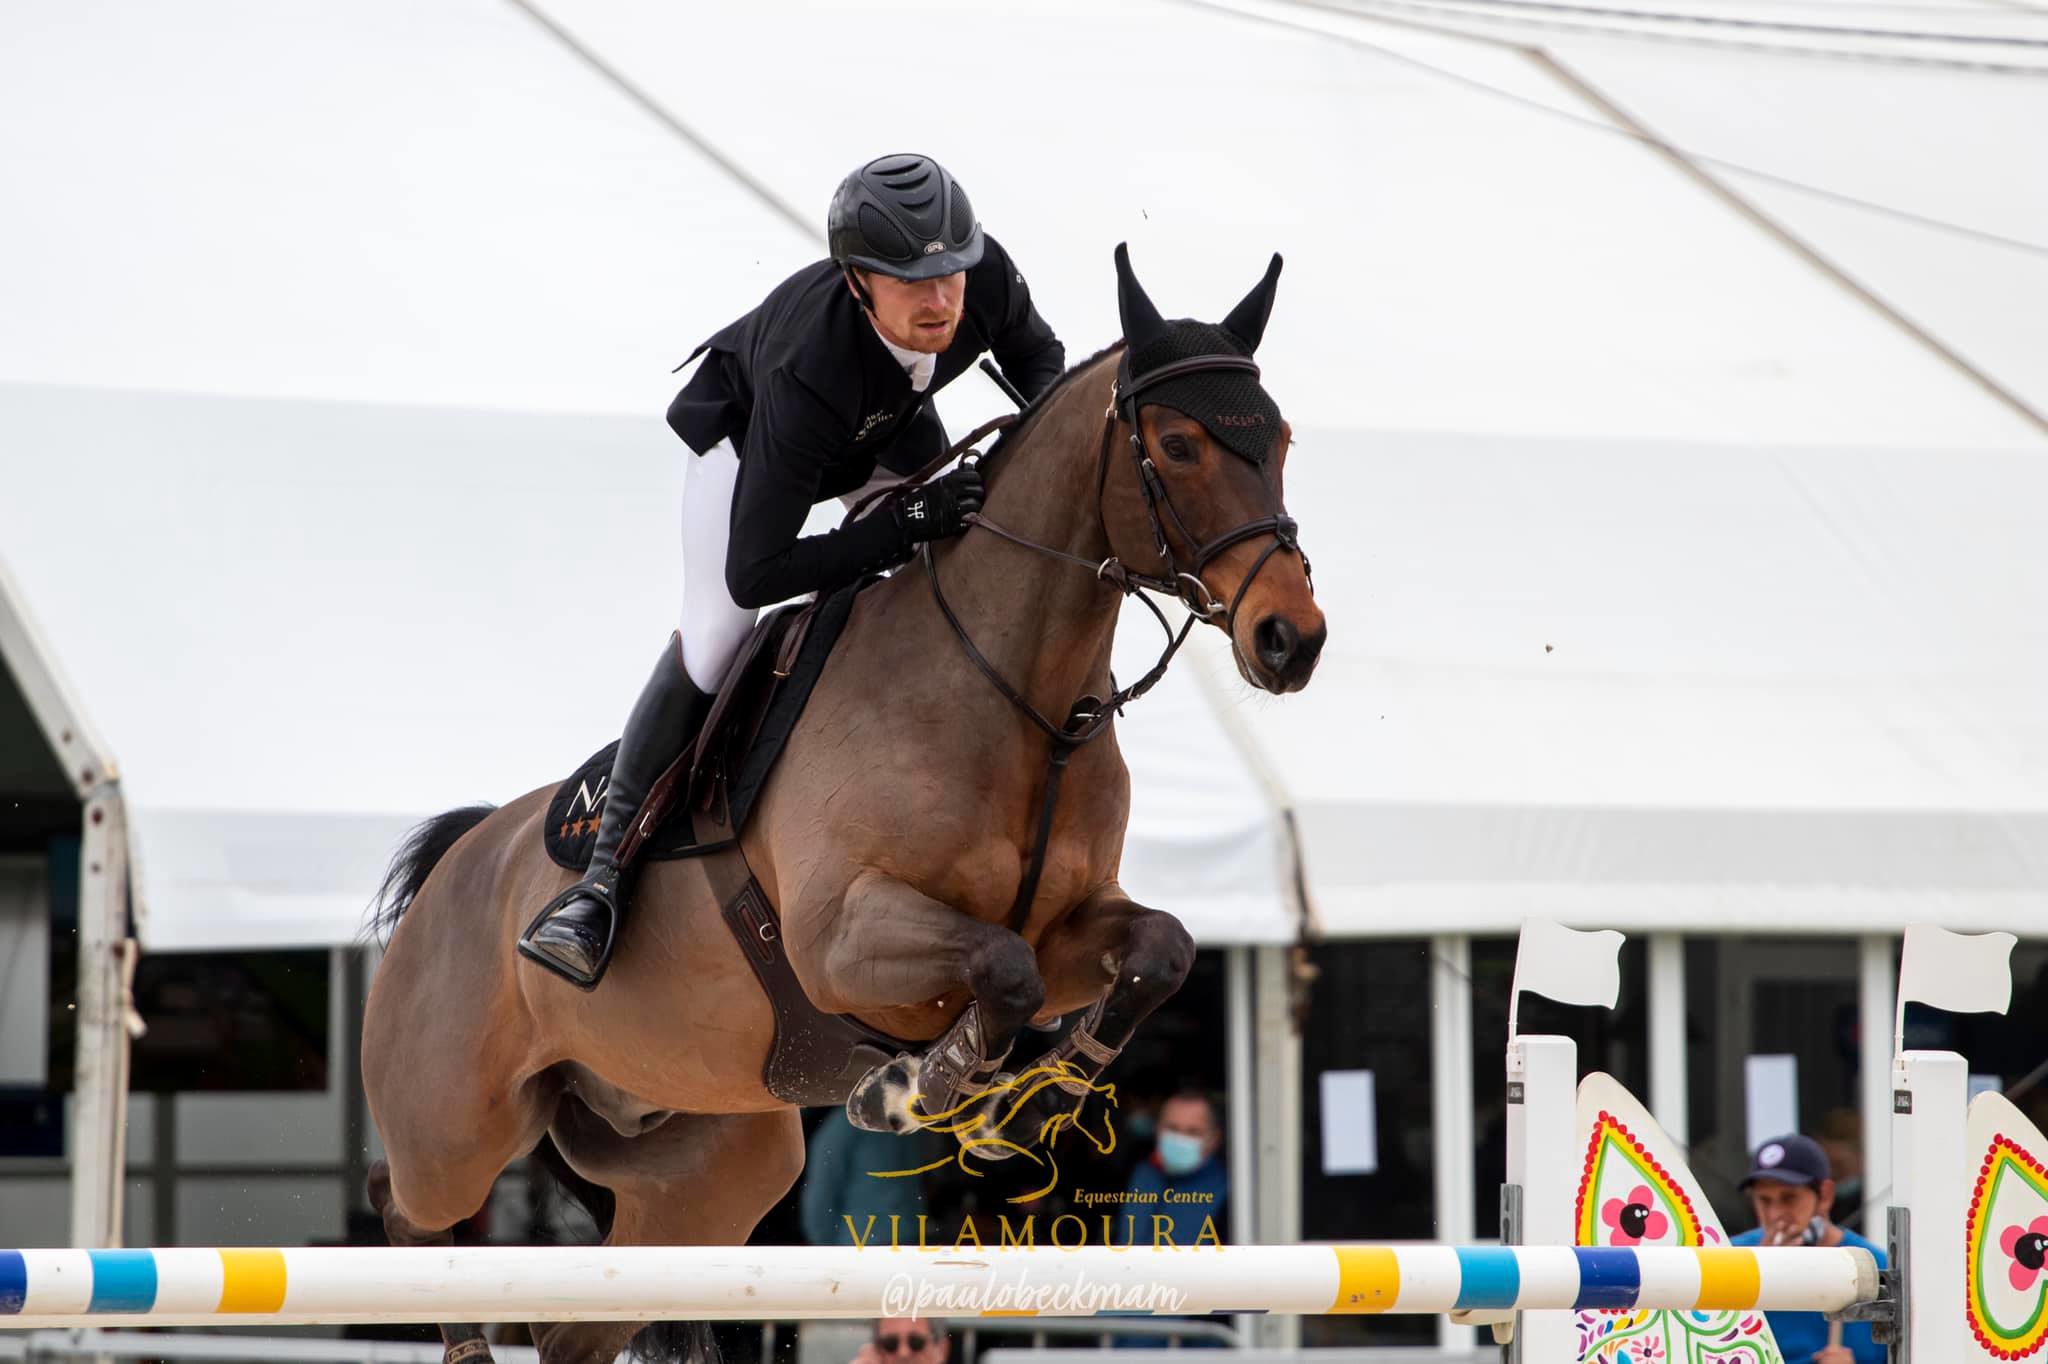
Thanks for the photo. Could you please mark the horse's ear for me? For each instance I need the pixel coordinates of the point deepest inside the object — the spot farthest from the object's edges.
(1247, 321)
(1141, 320)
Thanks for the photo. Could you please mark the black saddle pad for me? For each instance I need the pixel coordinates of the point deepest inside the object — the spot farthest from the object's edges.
(578, 804)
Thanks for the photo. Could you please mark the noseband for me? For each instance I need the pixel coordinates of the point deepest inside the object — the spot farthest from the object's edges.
(1090, 715)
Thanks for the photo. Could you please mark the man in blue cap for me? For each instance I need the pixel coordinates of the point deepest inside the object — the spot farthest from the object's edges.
(1791, 1190)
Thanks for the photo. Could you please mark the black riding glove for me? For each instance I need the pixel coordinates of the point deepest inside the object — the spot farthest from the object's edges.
(940, 508)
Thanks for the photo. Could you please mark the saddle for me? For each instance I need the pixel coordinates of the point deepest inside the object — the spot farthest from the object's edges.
(698, 808)
(758, 703)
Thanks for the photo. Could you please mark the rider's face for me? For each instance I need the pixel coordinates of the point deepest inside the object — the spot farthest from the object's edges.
(919, 315)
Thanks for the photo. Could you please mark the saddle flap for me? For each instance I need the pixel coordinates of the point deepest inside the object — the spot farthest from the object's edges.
(744, 694)
(718, 776)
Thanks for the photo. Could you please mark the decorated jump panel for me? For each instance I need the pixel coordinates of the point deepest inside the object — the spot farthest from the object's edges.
(1636, 1190)
(2006, 1231)
(333, 1285)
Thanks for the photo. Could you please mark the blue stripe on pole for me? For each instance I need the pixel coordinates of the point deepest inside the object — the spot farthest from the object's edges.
(1490, 1276)
(13, 1281)
(1608, 1277)
(122, 1281)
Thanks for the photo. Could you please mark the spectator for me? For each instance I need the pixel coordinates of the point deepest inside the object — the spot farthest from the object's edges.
(905, 1340)
(1185, 1179)
(1792, 1192)
(838, 1186)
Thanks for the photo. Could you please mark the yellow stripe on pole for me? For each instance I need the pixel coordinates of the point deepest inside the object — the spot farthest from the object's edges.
(1729, 1280)
(251, 1281)
(1368, 1279)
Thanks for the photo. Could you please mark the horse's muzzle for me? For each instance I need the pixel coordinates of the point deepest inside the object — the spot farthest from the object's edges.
(1285, 657)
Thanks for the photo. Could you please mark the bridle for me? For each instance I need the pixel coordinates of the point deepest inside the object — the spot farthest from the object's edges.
(1188, 585)
(1090, 715)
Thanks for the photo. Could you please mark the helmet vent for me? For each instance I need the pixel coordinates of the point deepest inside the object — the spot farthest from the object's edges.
(962, 217)
(884, 238)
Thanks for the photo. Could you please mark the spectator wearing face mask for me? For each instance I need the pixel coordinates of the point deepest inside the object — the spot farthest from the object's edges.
(1184, 1179)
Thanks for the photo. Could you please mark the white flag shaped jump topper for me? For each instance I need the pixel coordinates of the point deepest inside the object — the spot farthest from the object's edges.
(1567, 965)
(1960, 972)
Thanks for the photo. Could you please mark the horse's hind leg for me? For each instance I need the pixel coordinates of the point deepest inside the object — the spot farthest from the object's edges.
(895, 946)
(697, 1180)
(1132, 959)
(463, 1344)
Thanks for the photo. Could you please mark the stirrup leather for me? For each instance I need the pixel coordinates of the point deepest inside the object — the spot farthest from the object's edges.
(604, 890)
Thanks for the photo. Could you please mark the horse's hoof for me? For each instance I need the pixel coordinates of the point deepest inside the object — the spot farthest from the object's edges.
(885, 1097)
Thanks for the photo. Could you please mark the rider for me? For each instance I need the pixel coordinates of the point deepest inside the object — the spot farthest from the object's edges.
(822, 391)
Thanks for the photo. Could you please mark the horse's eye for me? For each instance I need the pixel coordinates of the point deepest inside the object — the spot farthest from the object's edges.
(1178, 450)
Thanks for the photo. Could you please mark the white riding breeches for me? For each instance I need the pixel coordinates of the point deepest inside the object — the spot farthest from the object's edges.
(714, 626)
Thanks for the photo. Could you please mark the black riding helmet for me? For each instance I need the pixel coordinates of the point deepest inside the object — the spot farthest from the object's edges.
(903, 216)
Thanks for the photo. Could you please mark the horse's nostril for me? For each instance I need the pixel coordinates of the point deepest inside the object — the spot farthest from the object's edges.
(1275, 638)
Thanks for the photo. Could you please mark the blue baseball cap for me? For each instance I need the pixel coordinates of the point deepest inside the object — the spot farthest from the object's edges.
(1790, 1159)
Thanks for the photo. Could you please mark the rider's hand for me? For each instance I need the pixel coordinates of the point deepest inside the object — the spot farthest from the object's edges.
(938, 509)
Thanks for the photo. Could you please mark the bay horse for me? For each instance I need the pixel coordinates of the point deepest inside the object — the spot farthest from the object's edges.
(895, 836)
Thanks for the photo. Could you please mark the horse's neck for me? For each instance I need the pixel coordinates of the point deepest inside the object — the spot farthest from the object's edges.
(1045, 624)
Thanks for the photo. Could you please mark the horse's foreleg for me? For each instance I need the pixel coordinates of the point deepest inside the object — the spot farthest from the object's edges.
(1130, 960)
(892, 946)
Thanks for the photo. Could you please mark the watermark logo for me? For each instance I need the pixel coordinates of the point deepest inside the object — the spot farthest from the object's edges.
(995, 1119)
(1074, 1294)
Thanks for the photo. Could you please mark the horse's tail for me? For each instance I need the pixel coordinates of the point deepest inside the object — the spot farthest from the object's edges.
(415, 858)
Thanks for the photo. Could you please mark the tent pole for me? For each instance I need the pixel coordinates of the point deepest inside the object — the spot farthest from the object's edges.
(106, 970)
(106, 954)
(1451, 1100)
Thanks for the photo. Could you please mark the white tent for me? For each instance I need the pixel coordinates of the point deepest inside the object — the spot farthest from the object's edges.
(349, 327)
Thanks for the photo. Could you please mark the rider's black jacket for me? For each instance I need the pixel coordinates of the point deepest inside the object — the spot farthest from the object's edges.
(813, 401)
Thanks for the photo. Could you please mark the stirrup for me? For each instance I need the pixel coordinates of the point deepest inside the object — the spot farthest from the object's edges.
(603, 894)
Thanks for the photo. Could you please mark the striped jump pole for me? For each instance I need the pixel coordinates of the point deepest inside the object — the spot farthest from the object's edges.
(335, 1285)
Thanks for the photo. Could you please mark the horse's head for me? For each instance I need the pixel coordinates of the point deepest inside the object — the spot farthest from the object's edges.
(1200, 495)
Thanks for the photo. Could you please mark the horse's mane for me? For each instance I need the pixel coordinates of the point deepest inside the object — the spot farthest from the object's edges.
(1017, 430)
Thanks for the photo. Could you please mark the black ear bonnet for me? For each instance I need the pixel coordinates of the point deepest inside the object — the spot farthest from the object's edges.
(1199, 368)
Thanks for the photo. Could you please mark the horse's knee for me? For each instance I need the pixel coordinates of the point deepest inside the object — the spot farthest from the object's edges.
(1005, 979)
(1158, 957)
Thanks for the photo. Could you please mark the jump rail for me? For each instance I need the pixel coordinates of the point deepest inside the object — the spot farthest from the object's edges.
(334, 1285)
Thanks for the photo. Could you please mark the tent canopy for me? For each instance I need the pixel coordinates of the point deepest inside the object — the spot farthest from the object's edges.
(1673, 525)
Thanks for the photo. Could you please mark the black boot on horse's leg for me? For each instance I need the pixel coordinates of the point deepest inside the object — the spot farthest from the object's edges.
(573, 936)
(915, 1091)
(1156, 957)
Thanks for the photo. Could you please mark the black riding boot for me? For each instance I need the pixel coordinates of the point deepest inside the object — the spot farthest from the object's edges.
(573, 936)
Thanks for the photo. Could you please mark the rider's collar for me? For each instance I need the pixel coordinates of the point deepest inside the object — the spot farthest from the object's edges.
(917, 364)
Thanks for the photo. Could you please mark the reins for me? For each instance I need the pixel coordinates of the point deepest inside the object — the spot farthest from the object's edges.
(1090, 715)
